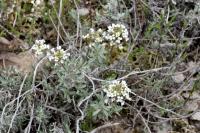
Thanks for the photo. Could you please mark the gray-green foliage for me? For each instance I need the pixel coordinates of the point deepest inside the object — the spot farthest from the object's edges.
(58, 92)
(115, 10)
(10, 82)
(98, 110)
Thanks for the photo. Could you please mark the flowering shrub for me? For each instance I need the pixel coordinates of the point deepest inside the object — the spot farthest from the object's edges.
(117, 91)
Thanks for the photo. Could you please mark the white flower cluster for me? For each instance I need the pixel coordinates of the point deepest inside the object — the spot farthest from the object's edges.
(38, 6)
(117, 91)
(36, 2)
(94, 37)
(115, 35)
(40, 47)
(58, 55)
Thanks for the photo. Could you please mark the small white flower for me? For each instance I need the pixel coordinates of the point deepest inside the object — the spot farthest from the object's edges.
(59, 48)
(37, 7)
(121, 47)
(40, 47)
(91, 30)
(86, 36)
(94, 37)
(58, 55)
(104, 44)
(36, 2)
(100, 30)
(104, 34)
(112, 44)
(117, 91)
(53, 50)
(98, 40)
(117, 34)
(91, 45)
(118, 41)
